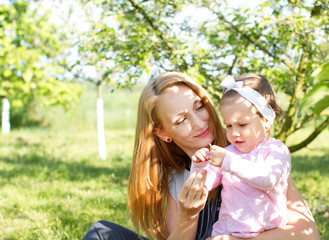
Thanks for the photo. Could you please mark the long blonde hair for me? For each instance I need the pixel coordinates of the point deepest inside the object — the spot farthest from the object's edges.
(153, 159)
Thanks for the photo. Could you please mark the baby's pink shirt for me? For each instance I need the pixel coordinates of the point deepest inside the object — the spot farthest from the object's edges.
(254, 194)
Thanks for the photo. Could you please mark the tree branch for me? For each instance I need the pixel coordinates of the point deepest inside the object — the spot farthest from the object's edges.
(232, 66)
(249, 39)
(159, 33)
(300, 124)
(311, 137)
(288, 119)
(88, 79)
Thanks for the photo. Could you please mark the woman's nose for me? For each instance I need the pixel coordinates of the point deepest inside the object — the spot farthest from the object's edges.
(198, 123)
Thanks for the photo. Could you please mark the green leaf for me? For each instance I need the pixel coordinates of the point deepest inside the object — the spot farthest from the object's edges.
(6, 73)
(321, 73)
(316, 100)
(265, 4)
(27, 75)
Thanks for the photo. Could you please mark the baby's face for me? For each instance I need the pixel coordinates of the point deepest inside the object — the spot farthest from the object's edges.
(245, 129)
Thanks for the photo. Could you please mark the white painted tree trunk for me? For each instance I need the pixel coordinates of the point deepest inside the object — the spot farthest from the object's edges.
(5, 126)
(100, 129)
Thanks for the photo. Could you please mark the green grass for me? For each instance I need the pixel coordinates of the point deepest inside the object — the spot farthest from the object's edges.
(310, 168)
(119, 111)
(54, 185)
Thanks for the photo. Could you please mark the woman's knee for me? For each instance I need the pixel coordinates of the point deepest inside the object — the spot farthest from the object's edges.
(99, 231)
(102, 230)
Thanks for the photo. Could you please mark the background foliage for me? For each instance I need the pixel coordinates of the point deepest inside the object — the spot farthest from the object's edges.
(286, 41)
(126, 41)
(32, 61)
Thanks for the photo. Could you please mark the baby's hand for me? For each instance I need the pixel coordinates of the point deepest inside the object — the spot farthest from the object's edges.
(217, 155)
(201, 155)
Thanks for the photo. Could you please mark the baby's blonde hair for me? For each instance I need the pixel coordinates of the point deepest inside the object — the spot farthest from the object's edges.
(259, 84)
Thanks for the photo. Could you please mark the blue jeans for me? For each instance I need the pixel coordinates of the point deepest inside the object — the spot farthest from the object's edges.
(104, 230)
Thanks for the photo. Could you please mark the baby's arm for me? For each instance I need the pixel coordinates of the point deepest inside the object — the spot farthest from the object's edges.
(300, 225)
(264, 174)
(202, 155)
(200, 162)
(217, 155)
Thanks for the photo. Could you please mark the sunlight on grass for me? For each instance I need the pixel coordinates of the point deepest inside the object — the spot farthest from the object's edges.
(54, 185)
(310, 168)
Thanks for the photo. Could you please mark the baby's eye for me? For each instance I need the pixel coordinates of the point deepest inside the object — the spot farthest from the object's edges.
(242, 124)
(228, 126)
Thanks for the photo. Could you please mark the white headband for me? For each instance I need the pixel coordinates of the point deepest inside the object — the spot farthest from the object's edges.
(251, 95)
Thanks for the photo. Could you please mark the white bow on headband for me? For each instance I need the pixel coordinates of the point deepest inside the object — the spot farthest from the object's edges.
(251, 95)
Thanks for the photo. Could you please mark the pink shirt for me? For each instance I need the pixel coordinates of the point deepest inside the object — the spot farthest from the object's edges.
(254, 194)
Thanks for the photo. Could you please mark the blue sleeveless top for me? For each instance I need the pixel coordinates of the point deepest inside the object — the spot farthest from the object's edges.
(209, 214)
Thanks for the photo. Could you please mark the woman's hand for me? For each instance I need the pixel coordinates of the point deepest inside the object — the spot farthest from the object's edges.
(193, 195)
(182, 222)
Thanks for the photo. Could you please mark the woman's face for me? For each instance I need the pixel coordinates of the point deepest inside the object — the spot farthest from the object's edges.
(184, 118)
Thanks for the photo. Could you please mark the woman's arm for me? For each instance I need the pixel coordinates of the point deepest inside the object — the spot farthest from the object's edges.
(300, 226)
(182, 221)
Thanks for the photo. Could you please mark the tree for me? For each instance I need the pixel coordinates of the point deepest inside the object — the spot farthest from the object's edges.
(120, 50)
(97, 50)
(286, 41)
(32, 58)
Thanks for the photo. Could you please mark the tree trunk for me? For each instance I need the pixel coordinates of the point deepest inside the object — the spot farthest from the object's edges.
(100, 124)
(5, 126)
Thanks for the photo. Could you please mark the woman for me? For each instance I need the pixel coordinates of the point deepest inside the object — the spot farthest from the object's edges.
(176, 118)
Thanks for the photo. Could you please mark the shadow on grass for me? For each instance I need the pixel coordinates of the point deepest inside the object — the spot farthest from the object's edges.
(38, 165)
(304, 164)
(310, 174)
(76, 226)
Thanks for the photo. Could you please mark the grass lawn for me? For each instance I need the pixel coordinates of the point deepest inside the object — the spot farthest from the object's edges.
(54, 185)
(310, 171)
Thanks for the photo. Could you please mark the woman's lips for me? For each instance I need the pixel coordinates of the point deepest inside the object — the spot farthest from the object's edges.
(203, 134)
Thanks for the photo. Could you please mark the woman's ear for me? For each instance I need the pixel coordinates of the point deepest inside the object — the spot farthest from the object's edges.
(162, 135)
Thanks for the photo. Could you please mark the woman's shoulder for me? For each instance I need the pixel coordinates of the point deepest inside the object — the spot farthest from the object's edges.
(177, 179)
(178, 175)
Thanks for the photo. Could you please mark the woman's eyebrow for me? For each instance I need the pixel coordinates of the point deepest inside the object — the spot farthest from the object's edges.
(180, 114)
(184, 111)
(198, 99)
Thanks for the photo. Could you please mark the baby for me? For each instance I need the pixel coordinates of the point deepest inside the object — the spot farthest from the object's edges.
(254, 169)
